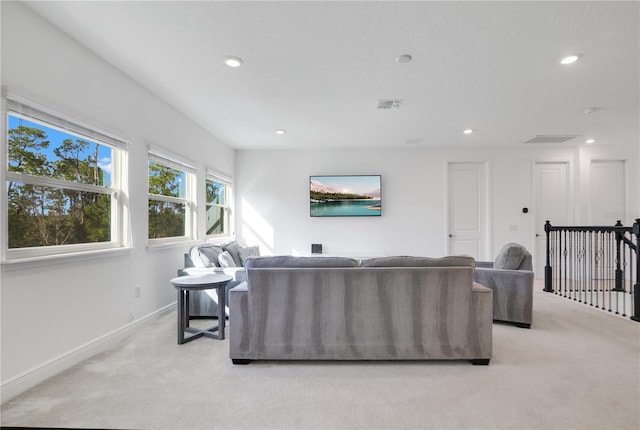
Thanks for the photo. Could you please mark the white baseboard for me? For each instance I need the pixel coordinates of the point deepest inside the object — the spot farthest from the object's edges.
(29, 379)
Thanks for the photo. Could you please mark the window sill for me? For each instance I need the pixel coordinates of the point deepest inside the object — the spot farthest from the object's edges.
(220, 239)
(55, 259)
(156, 246)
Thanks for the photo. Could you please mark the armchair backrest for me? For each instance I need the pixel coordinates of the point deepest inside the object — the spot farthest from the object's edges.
(527, 263)
(513, 256)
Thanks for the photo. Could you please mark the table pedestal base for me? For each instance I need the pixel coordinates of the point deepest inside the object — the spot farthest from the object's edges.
(215, 332)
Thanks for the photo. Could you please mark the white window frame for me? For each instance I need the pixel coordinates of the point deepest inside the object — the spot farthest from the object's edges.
(228, 230)
(173, 161)
(23, 107)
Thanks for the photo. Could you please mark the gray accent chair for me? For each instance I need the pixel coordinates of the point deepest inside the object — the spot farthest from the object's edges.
(510, 278)
(332, 308)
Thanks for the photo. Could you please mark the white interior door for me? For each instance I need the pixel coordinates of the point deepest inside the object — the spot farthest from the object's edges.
(551, 183)
(607, 194)
(467, 210)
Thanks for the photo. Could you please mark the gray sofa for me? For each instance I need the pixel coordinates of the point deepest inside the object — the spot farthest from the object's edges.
(205, 258)
(510, 278)
(333, 308)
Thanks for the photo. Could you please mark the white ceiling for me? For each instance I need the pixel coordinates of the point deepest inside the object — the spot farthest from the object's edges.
(318, 69)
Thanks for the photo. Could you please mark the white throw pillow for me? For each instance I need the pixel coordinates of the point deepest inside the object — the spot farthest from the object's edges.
(226, 260)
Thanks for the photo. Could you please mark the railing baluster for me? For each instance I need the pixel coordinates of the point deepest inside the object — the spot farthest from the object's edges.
(594, 274)
(548, 278)
(623, 281)
(594, 265)
(590, 267)
(619, 271)
(563, 262)
(636, 288)
(576, 264)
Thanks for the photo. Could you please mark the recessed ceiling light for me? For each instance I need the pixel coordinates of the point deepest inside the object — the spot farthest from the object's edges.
(280, 132)
(405, 58)
(590, 141)
(591, 110)
(570, 59)
(232, 61)
(468, 131)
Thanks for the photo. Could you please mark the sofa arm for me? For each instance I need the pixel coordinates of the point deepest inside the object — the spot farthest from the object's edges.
(512, 293)
(239, 323)
(481, 319)
(512, 278)
(240, 288)
(188, 262)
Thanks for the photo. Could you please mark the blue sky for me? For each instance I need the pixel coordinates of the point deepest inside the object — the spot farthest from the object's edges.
(350, 184)
(56, 137)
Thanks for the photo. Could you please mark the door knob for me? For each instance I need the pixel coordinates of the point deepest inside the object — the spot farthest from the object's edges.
(452, 235)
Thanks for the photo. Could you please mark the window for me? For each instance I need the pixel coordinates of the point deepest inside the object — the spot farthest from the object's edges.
(171, 203)
(62, 185)
(218, 192)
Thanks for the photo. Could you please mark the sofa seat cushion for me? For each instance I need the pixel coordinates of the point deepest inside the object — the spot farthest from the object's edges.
(292, 261)
(407, 261)
(237, 273)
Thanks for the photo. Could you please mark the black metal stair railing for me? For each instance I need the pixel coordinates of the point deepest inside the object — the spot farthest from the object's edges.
(597, 266)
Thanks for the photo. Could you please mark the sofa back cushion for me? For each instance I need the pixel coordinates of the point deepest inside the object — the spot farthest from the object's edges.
(233, 248)
(406, 261)
(248, 252)
(291, 261)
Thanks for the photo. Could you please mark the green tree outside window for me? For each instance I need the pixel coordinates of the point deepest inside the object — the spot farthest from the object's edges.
(217, 208)
(167, 201)
(44, 207)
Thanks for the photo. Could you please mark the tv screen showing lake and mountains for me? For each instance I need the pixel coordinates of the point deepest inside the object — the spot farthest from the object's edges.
(350, 195)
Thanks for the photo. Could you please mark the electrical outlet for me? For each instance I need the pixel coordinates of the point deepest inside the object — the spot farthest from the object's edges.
(138, 291)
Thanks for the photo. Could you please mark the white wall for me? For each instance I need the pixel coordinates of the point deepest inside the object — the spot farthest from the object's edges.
(52, 308)
(632, 186)
(272, 191)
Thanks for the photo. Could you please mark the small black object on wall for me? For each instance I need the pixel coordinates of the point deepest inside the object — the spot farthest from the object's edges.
(525, 210)
(316, 248)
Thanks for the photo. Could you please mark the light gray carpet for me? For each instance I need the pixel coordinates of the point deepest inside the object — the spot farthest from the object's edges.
(577, 368)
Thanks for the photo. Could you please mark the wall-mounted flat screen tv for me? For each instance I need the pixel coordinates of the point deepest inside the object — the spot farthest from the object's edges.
(349, 195)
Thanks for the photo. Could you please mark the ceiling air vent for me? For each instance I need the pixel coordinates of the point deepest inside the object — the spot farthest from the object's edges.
(389, 104)
(551, 138)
